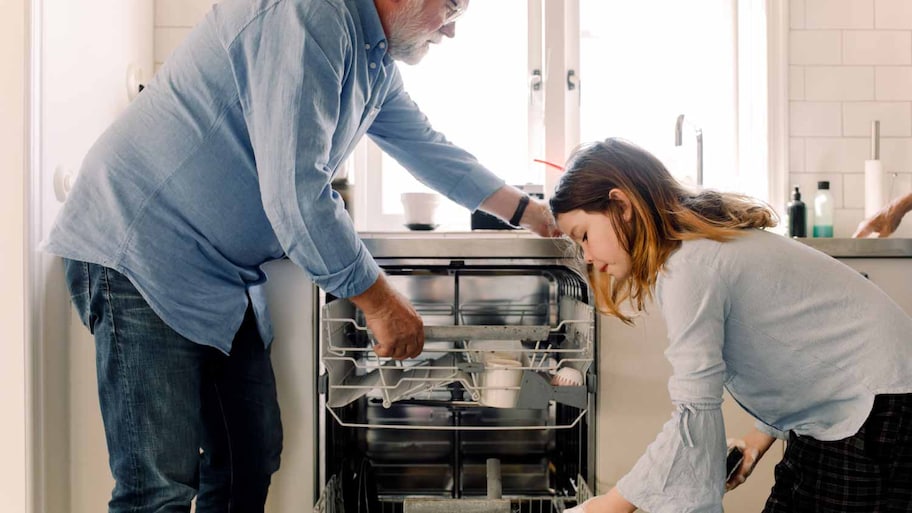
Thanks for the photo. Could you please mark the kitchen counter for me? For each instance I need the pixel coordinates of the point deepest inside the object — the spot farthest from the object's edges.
(862, 248)
(478, 244)
(509, 244)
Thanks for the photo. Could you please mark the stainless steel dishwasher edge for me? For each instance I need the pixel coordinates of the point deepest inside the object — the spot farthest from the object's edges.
(426, 435)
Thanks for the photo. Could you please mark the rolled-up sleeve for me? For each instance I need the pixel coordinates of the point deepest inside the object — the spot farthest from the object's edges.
(683, 470)
(405, 133)
(290, 78)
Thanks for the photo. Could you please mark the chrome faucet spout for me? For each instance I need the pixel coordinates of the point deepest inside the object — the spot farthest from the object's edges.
(679, 125)
(679, 140)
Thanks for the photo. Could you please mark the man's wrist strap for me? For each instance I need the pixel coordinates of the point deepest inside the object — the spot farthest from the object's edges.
(520, 210)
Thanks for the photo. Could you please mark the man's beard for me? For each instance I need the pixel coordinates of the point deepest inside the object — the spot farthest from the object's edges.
(407, 41)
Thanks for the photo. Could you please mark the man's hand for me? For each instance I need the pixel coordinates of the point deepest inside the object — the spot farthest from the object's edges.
(754, 445)
(538, 219)
(396, 326)
(883, 223)
(887, 220)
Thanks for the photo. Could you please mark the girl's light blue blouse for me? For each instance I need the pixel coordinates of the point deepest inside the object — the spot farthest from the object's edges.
(800, 340)
(224, 162)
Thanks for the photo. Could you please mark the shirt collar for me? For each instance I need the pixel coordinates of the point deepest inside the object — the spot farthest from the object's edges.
(370, 23)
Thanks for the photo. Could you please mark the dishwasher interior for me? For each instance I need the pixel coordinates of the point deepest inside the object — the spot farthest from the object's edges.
(474, 423)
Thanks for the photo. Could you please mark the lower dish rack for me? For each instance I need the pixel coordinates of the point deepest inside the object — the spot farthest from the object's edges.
(331, 501)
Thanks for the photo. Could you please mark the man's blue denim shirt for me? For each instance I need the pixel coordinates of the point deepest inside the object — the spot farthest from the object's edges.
(224, 162)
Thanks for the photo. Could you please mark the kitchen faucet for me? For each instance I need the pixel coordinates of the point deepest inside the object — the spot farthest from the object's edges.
(679, 125)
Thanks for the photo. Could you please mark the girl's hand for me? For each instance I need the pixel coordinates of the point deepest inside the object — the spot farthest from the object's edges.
(611, 502)
(754, 445)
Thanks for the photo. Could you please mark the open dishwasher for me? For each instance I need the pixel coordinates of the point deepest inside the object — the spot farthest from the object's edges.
(474, 423)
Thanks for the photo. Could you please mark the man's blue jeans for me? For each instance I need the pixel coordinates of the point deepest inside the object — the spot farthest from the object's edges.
(181, 419)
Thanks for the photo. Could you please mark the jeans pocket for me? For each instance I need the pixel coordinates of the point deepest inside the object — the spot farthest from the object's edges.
(76, 274)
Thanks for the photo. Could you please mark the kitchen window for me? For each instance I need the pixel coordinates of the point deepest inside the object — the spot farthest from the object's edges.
(565, 72)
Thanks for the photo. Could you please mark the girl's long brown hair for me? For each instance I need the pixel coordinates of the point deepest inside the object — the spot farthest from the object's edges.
(664, 213)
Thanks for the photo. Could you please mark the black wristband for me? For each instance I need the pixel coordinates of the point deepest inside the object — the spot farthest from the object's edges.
(520, 210)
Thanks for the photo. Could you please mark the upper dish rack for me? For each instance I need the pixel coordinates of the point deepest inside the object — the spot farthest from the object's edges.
(459, 362)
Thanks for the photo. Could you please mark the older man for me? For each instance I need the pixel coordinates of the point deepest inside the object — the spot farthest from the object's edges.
(224, 163)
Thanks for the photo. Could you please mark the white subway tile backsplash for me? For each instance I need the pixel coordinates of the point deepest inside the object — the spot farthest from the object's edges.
(815, 47)
(853, 193)
(898, 184)
(796, 82)
(796, 155)
(796, 14)
(845, 221)
(896, 154)
(839, 14)
(181, 13)
(850, 61)
(166, 40)
(815, 118)
(895, 118)
(840, 83)
(836, 154)
(893, 14)
(893, 82)
(877, 47)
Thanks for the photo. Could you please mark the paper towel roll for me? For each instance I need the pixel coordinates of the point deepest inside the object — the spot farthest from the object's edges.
(874, 187)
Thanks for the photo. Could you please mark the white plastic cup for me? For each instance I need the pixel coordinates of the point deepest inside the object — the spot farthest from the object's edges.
(420, 208)
(501, 380)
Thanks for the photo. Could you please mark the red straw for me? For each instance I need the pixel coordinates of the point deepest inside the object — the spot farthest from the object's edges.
(545, 162)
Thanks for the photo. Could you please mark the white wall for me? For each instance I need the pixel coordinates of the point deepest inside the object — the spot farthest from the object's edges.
(850, 63)
(173, 21)
(13, 161)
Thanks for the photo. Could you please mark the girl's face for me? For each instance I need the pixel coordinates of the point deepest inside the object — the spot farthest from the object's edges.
(597, 237)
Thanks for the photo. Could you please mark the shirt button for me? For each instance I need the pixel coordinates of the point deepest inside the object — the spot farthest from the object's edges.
(367, 46)
(373, 65)
(382, 44)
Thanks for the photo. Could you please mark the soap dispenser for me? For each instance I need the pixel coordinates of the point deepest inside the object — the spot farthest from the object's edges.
(797, 215)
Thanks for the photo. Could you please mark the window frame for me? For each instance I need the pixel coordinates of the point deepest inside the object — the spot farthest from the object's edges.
(554, 109)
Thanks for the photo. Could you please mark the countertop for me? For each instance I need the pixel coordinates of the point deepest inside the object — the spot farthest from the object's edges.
(862, 248)
(512, 243)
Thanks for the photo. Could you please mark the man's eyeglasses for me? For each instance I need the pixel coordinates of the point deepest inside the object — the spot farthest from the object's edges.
(455, 9)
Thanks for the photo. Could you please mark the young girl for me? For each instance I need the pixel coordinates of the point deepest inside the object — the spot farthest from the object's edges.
(806, 345)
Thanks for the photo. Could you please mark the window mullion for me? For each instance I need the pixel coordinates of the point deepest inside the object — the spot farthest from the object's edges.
(536, 69)
(560, 30)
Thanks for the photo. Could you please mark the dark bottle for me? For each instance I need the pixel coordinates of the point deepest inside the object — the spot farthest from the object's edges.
(797, 214)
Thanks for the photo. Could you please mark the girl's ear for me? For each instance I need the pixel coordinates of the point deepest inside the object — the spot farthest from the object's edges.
(622, 198)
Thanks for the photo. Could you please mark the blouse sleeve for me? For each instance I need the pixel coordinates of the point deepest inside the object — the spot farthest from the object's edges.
(683, 470)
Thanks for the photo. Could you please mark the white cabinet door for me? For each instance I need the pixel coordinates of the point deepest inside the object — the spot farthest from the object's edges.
(84, 52)
(292, 297)
(892, 275)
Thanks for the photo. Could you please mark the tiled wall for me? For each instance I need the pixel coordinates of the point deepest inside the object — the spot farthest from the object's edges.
(173, 20)
(850, 63)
